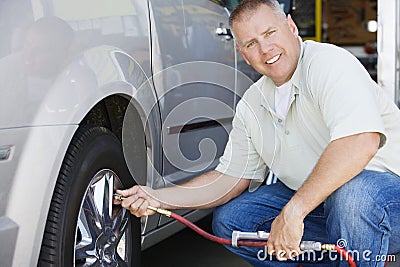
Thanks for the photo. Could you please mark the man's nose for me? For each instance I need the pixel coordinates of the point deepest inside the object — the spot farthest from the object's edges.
(265, 46)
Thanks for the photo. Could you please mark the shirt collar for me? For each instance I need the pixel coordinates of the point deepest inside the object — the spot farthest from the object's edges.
(296, 78)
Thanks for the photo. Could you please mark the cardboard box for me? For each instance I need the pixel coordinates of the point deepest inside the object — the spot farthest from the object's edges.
(347, 21)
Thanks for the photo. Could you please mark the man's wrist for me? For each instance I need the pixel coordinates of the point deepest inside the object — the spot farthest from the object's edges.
(295, 210)
(162, 197)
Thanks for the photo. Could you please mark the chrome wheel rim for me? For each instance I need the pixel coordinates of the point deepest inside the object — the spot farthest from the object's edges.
(103, 234)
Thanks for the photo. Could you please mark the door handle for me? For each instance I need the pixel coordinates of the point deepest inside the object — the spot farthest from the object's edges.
(222, 31)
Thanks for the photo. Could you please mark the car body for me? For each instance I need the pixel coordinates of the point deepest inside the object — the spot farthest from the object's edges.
(83, 82)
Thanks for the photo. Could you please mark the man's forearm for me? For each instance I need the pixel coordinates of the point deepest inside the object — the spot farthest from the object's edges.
(206, 191)
(342, 160)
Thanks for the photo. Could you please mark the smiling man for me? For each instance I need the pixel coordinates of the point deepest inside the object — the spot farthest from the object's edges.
(318, 121)
(272, 50)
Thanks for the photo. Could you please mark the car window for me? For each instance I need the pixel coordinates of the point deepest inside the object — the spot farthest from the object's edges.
(231, 4)
(218, 2)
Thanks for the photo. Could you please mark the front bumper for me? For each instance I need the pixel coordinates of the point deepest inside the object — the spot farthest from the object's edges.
(27, 182)
(8, 233)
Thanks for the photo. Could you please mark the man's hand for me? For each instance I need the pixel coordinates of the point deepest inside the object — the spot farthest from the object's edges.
(285, 235)
(137, 199)
(208, 190)
(342, 160)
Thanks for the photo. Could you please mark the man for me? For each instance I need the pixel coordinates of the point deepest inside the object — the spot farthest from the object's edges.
(32, 67)
(319, 122)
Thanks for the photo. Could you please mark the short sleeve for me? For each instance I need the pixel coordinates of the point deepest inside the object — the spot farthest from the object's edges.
(240, 158)
(345, 94)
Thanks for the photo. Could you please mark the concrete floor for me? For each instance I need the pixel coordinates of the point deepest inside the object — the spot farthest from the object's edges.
(187, 248)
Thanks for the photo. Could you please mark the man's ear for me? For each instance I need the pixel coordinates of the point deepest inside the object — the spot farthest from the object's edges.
(243, 55)
(292, 25)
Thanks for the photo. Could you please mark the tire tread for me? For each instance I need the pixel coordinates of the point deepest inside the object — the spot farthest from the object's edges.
(50, 243)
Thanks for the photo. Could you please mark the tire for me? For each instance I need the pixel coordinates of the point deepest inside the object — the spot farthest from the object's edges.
(83, 227)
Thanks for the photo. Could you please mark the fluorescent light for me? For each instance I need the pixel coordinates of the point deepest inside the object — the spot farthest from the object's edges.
(372, 25)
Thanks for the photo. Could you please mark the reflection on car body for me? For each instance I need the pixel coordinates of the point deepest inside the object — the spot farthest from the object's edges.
(97, 96)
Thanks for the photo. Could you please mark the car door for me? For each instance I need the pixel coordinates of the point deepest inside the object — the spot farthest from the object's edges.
(194, 77)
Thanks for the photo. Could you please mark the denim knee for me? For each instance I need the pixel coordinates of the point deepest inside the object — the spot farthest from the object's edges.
(354, 202)
(363, 194)
(357, 212)
(219, 222)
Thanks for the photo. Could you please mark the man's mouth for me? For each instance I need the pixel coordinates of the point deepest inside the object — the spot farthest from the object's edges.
(273, 60)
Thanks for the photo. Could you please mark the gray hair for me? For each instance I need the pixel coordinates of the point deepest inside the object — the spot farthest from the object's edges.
(249, 7)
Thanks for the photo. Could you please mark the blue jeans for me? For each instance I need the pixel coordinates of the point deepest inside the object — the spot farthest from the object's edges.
(363, 215)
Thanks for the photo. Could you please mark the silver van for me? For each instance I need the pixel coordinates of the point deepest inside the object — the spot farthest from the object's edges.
(98, 95)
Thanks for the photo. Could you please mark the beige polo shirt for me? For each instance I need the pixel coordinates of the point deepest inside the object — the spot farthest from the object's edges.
(332, 96)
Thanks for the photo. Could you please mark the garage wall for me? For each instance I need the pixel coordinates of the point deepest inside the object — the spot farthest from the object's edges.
(386, 45)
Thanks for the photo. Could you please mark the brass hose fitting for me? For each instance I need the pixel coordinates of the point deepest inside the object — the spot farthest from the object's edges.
(328, 247)
(161, 211)
(158, 210)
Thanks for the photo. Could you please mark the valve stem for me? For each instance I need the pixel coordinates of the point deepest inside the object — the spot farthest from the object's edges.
(158, 210)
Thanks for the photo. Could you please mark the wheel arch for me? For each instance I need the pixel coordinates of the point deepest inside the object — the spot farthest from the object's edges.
(126, 119)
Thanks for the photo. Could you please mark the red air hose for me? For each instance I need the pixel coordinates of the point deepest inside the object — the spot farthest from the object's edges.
(214, 238)
(228, 242)
(345, 255)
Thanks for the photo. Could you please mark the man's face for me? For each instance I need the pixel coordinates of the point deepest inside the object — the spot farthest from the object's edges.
(269, 43)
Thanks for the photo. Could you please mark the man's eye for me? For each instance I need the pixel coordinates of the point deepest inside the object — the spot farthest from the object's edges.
(267, 34)
(250, 45)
